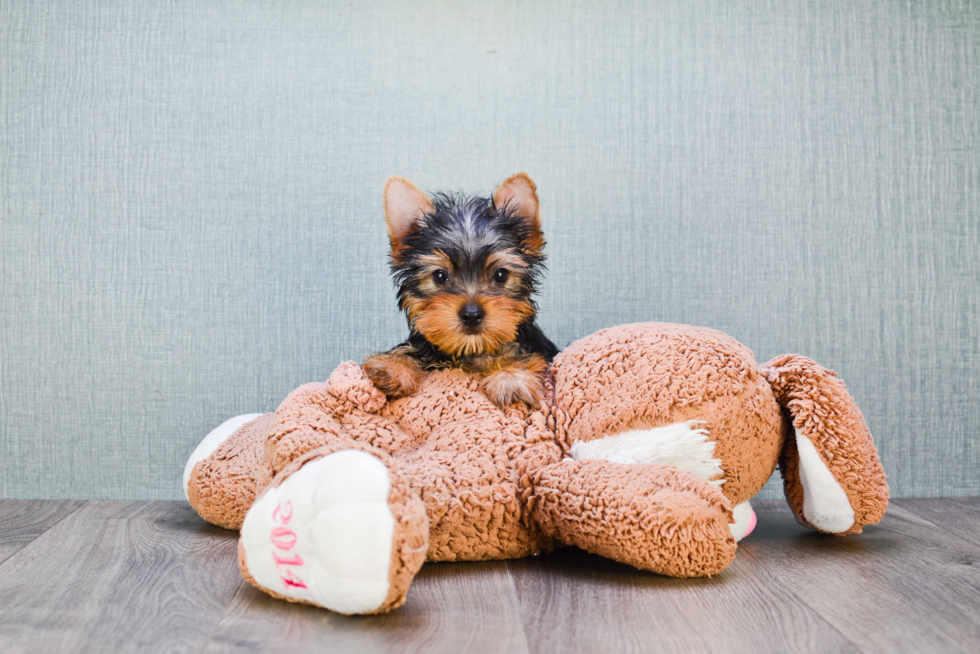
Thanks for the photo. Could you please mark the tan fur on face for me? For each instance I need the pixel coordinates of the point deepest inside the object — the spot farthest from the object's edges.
(510, 262)
(437, 261)
(515, 380)
(504, 316)
(505, 259)
(437, 319)
(431, 264)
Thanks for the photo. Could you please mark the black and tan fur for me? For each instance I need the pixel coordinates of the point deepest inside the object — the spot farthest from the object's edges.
(466, 270)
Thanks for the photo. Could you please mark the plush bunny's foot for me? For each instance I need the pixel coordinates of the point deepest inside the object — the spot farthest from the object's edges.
(343, 531)
(745, 521)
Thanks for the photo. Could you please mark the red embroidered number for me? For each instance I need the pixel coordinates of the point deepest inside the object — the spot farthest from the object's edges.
(285, 539)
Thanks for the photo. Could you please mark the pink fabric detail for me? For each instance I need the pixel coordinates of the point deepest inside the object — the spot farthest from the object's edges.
(753, 521)
(285, 539)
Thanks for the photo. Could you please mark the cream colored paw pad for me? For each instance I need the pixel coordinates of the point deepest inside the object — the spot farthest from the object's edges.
(324, 535)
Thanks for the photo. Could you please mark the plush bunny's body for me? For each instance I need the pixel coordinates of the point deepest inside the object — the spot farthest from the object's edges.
(650, 442)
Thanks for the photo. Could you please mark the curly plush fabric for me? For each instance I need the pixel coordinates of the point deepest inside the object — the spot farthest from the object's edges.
(223, 486)
(644, 376)
(610, 462)
(652, 517)
(464, 457)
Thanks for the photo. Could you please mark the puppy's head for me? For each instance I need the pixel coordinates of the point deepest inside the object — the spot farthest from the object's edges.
(466, 267)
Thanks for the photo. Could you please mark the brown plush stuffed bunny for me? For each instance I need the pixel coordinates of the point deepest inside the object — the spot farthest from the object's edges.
(650, 443)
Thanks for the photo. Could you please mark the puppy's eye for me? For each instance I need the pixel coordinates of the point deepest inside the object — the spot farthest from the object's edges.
(500, 275)
(440, 277)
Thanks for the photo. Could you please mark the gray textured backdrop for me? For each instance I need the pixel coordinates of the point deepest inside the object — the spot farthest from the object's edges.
(191, 209)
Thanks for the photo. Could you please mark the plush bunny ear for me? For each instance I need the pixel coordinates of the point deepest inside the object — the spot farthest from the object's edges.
(519, 193)
(405, 204)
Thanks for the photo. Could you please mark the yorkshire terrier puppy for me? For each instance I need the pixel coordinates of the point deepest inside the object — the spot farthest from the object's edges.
(466, 269)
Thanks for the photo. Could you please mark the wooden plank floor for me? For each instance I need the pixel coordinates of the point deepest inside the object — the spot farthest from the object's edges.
(153, 577)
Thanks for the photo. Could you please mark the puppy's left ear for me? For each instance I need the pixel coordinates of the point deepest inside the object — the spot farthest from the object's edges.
(520, 194)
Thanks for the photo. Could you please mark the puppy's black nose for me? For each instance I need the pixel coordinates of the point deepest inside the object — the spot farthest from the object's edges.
(471, 315)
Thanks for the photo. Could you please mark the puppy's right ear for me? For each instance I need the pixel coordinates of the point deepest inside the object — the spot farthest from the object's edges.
(405, 204)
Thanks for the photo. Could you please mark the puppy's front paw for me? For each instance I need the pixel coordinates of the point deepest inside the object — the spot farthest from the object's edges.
(395, 375)
(514, 384)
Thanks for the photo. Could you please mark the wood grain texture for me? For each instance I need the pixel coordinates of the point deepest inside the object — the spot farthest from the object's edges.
(572, 601)
(118, 577)
(151, 576)
(960, 516)
(903, 585)
(451, 608)
(21, 521)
